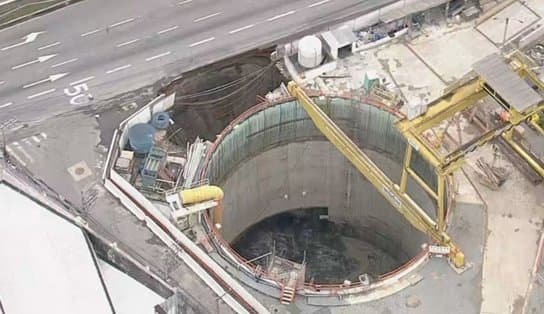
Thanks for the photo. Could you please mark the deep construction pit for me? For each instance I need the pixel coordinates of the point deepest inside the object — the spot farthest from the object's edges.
(287, 189)
(290, 191)
(208, 98)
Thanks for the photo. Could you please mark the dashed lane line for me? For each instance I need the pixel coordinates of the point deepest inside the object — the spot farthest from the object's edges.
(41, 93)
(166, 30)
(126, 66)
(83, 80)
(65, 62)
(234, 31)
(185, 2)
(315, 4)
(36, 139)
(281, 15)
(200, 19)
(128, 42)
(201, 42)
(6, 105)
(122, 22)
(2, 82)
(90, 32)
(49, 46)
(158, 56)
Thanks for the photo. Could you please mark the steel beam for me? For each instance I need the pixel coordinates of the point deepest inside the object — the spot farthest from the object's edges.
(402, 202)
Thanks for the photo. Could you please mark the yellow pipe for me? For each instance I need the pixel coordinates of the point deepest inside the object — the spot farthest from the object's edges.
(201, 194)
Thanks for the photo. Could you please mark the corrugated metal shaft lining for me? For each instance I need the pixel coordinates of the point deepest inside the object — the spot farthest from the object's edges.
(500, 77)
(370, 127)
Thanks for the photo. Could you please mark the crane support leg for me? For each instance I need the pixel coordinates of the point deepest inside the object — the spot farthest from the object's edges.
(401, 201)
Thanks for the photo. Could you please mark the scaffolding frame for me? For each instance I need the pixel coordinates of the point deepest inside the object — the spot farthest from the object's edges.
(460, 97)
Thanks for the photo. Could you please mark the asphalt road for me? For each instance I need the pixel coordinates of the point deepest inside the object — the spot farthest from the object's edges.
(51, 64)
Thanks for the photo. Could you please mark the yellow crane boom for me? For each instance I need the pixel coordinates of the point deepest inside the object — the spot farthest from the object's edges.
(391, 191)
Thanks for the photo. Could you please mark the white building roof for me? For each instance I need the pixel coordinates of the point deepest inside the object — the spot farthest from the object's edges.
(127, 294)
(46, 265)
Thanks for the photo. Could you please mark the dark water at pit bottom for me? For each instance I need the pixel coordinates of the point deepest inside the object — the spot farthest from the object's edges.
(333, 252)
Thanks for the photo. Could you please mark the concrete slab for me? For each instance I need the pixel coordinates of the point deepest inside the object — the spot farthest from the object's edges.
(417, 82)
(395, 62)
(465, 192)
(514, 224)
(537, 6)
(451, 52)
(519, 16)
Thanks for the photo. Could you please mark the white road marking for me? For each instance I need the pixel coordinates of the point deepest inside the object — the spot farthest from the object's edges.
(128, 42)
(43, 135)
(15, 155)
(185, 2)
(201, 42)
(36, 139)
(281, 15)
(13, 46)
(39, 60)
(158, 56)
(50, 45)
(51, 78)
(2, 82)
(207, 17)
(27, 141)
(63, 63)
(27, 155)
(32, 36)
(241, 28)
(126, 66)
(83, 80)
(122, 22)
(27, 39)
(6, 105)
(41, 93)
(315, 4)
(90, 32)
(167, 30)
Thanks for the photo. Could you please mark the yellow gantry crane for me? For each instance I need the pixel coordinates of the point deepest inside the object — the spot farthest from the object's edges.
(394, 193)
(511, 84)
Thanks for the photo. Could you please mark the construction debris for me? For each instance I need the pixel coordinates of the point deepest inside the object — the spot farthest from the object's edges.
(490, 175)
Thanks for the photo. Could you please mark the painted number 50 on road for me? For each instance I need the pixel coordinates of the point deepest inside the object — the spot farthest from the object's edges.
(78, 94)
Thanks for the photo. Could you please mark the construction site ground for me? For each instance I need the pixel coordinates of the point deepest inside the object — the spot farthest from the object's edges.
(499, 231)
(511, 217)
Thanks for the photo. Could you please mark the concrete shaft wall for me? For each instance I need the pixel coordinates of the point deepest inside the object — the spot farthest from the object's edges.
(316, 174)
(276, 160)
